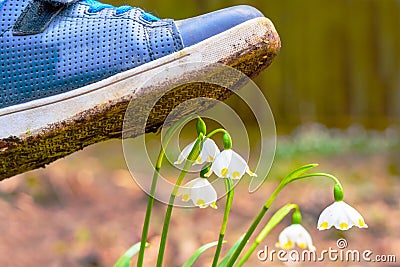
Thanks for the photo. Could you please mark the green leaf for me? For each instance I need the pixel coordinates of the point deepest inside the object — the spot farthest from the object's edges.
(125, 260)
(275, 219)
(225, 260)
(299, 171)
(198, 253)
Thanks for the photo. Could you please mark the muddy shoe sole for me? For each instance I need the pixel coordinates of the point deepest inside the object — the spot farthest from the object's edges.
(36, 133)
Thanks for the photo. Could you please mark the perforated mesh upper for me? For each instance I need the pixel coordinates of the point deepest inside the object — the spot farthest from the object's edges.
(77, 49)
(2, 2)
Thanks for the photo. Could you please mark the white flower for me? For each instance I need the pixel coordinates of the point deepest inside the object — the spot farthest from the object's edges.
(228, 163)
(341, 215)
(295, 234)
(200, 191)
(208, 153)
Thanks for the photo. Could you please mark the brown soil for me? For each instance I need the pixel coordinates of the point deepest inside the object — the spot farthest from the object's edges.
(85, 210)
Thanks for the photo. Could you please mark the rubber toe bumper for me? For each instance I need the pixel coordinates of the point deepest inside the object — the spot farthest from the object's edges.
(197, 29)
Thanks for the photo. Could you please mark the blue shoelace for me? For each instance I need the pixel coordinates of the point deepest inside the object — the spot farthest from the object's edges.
(96, 6)
(2, 3)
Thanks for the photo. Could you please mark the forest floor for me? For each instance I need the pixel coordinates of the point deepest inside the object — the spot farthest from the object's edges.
(86, 210)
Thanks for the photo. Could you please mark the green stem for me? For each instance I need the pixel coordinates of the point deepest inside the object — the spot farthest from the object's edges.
(167, 219)
(267, 205)
(229, 201)
(320, 174)
(248, 253)
(150, 201)
(272, 223)
(188, 163)
(149, 209)
(216, 131)
(246, 237)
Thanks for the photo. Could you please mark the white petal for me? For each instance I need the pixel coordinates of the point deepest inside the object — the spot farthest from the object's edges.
(341, 215)
(353, 216)
(203, 193)
(221, 164)
(210, 151)
(295, 234)
(249, 172)
(237, 166)
(285, 241)
(326, 218)
(340, 220)
(185, 153)
(186, 190)
(303, 239)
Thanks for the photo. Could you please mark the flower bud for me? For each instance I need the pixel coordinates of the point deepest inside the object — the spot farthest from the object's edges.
(338, 192)
(296, 217)
(227, 141)
(201, 126)
(205, 170)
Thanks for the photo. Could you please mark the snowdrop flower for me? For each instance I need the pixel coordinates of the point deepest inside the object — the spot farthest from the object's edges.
(208, 153)
(341, 215)
(295, 234)
(230, 164)
(200, 191)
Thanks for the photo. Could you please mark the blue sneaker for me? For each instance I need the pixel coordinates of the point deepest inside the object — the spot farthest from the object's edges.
(68, 69)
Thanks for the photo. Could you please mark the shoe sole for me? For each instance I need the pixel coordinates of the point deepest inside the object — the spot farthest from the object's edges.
(96, 112)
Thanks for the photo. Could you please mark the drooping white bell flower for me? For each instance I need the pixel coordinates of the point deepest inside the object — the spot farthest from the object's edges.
(230, 164)
(295, 234)
(200, 191)
(342, 216)
(207, 154)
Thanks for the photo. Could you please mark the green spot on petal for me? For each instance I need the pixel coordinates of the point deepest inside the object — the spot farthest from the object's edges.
(224, 172)
(344, 226)
(324, 225)
(200, 203)
(251, 173)
(288, 245)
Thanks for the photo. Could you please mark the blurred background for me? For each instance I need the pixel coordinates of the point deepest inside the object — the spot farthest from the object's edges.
(339, 63)
(335, 93)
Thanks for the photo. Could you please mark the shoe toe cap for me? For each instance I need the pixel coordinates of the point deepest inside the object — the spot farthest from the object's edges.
(197, 29)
